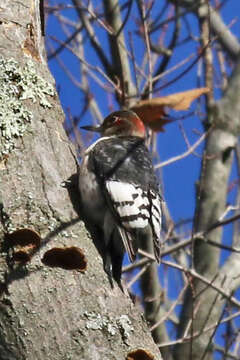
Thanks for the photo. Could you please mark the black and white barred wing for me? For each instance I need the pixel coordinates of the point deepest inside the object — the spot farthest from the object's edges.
(156, 221)
(135, 209)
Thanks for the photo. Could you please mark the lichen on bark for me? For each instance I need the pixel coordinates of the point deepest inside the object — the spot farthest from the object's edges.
(19, 84)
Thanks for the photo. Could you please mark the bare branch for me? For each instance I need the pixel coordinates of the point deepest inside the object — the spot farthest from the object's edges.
(118, 51)
(226, 294)
(185, 154)
(224, 35)
(92, 36)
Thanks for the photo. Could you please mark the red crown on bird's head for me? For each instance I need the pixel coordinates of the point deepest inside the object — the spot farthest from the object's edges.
(123, 122)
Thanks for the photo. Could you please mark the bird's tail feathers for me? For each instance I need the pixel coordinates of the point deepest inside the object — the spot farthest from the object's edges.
(128, 242)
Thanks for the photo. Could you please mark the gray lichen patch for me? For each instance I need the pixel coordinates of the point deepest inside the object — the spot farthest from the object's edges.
(99, 322)
(17, 85)
(112, 325)
(125, 326)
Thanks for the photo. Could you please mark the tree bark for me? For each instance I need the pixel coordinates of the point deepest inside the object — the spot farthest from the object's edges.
(48, 312)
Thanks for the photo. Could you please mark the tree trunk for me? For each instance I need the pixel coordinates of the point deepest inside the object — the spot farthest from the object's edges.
(48, 312)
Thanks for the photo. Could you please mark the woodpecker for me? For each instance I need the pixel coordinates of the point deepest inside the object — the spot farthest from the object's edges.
(119, 190)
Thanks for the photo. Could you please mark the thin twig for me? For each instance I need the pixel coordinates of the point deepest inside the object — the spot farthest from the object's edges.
(172, 307)
(193, 273)
(138, 275)
(185, 154)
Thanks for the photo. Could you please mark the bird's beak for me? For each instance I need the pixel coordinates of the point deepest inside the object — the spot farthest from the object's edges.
(92, 128)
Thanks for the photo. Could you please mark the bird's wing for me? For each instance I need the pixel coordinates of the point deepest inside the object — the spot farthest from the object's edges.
(131, 206)
(156, 221)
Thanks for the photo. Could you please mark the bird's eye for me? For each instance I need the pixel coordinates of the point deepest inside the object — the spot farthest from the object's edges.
(116, 120)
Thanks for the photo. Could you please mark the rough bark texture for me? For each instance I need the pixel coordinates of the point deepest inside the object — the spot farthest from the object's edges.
(49, 312)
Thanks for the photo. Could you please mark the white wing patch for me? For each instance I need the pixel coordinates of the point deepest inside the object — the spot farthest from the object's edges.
(131, 204)
(136, 209)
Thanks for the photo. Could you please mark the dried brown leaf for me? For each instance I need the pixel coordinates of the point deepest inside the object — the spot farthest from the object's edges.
(152, 111)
